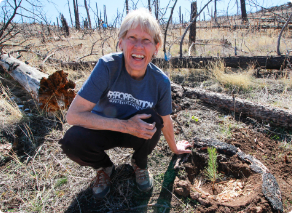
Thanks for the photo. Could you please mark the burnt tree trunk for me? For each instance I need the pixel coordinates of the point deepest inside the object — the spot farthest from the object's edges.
(127, 7)
(180, 15)
(194, 19)
(156, 9)
(192, 35)
(243, 11)
(65, 26)
(215, 11)
(277, 62)
(87, 12)
(76, 13)
(149, 5)
(70, 14)
(98, 21)
(52, 92)
(274, 116)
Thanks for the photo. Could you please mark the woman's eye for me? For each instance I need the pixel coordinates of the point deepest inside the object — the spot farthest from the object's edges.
(147, 41)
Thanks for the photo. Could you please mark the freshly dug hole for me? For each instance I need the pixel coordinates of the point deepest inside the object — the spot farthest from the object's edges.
(239, 187)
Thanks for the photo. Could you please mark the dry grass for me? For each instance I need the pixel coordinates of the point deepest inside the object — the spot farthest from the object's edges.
(241, 79)
(273, 92)
(41, 183)
(10, 113)
(91, 45)
(287, 82)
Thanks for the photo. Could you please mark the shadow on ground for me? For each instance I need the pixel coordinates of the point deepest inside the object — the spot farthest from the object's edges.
(124, 195)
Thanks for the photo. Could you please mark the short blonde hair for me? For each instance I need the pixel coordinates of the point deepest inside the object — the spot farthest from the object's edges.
(147, 22)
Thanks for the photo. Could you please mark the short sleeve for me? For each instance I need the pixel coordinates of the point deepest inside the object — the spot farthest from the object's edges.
(97, 83)
(164, 106)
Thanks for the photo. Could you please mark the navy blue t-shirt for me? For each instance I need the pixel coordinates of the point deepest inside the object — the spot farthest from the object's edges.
(118, 95)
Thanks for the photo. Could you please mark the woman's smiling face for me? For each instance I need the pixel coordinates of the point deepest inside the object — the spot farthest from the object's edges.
(138, 47)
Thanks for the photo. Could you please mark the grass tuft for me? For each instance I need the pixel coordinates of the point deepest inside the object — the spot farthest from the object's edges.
(61, 182)
(241, 80)
(9, 111)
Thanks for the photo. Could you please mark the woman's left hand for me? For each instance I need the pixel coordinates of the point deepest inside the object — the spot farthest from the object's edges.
(181, 147)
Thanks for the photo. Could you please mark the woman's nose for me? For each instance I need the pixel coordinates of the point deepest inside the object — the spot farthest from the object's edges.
(139, 43)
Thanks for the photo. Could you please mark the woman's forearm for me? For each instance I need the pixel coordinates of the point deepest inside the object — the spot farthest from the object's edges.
(90, 120)
(79, 114)
(168, 133)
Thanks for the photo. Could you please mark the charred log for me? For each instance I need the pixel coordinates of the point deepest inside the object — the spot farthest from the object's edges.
(234, 62)
(266, 114)
(278, 62)
(52, 92)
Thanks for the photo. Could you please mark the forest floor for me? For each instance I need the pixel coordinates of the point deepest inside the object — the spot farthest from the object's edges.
(37, 177)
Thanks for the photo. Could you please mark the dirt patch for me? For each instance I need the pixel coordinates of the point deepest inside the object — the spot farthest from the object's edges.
(239, 187)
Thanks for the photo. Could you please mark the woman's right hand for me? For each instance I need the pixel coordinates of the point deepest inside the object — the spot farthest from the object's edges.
(139, 128)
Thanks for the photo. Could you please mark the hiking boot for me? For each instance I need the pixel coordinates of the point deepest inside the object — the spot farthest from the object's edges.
(102, 182)
(144, 178)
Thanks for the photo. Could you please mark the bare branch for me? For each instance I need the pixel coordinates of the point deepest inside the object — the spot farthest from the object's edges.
(165, 33)
(5, 26)
(280, 35)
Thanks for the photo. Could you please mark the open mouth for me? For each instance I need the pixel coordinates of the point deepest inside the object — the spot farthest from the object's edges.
(138, 57)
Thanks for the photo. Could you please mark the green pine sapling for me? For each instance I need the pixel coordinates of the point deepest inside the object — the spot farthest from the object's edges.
(212, 166)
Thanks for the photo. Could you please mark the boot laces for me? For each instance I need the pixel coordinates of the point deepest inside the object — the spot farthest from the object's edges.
(102, 179)
(141, 174)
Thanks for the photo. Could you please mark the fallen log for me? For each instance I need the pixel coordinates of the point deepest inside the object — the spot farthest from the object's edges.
(52, 92)
(268, 62)
(262, 113)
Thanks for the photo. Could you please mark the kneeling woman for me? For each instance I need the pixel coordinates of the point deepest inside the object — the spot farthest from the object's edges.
(126, 102)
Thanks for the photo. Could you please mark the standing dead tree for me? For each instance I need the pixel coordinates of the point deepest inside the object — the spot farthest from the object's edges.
(76, 13)
(194, 19)
(243, 11)
(127, 7)
(70, 13)
(156, 6)
(215, 11)
(192, 34)
(104, 14)
(98, 21)
(65, 26)
(179, 13)
(149, 5)
(87, 12)
(7, 28)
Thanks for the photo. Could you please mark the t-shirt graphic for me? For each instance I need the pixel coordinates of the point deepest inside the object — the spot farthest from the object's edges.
(128, 99)
(118, 95)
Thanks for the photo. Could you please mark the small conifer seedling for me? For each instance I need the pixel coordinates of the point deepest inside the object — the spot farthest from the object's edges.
(211, 170)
